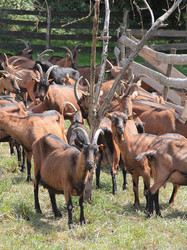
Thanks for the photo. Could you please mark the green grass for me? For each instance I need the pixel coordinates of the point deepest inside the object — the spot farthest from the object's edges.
(111, 223)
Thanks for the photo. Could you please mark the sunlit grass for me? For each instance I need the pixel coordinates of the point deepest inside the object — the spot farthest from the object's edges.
(111, 223)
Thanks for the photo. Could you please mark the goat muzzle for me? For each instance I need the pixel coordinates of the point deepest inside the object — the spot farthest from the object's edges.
(89, 166)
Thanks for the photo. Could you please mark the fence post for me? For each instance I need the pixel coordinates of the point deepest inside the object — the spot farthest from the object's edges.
(48, 32)
(168, 73)
(123, 29)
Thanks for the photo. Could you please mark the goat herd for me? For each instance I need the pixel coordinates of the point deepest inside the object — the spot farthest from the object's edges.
(140, 132)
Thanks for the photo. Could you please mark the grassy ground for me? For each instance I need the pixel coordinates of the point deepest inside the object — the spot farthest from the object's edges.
(111, 223)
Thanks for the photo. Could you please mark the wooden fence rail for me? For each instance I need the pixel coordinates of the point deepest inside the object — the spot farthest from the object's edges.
(44, 30)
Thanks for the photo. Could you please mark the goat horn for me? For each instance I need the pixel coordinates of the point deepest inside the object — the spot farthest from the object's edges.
(76, 88)
(19, 59)
(6, 58)
(138, 77)
(97, 133)
(41, 71)
(130, 87)
(4, 72)
(68, 50)
(109, 63)
(27, 46)
(88, 84)
(85, 135)
(48, 72)
(5, 96)
(70, 105)
(76, 46)
(41, 55)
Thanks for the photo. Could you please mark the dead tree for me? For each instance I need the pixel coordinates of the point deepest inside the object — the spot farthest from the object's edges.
(97, 112)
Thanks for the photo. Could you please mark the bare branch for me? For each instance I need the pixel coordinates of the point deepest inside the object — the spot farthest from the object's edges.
(130, 59)
(151, 12)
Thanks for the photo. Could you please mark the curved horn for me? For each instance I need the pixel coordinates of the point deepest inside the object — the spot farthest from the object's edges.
(77, 45)
(4, 72)
(138, 77)
(41, 55)
(41, 72)
(68, 50)
(27, 46)
(76, 89)
(13, 62)
(130, 87)
(6, 58)
(109, 63)
(97, 133)
(70, 105)
(5, 96)
(85, 135)
(88, 84)
(48, 72)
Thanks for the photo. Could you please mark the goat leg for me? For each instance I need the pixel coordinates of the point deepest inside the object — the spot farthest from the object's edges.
(36, 199)
(98, 170)
(135, 180)
(124, 171)
(28, 170)
(22, 167)
(156, 201)
(174, 193)
(114, 186)
(81, 204)
(56, 212)
(70, 209)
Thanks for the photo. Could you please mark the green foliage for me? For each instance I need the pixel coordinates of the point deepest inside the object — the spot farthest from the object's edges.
(17, 4)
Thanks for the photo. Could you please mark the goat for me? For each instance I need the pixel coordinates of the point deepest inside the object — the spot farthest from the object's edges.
(168, 162)
(131, 145)
(9, 82)
(28, 80)
(25, 130)
(52, 96)
(63, 169)
(57, 73)
(77, 122)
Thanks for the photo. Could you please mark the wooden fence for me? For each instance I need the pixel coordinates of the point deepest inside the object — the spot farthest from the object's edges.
(44, 30)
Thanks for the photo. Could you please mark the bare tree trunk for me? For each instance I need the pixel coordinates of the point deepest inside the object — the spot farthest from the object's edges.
(92, 106)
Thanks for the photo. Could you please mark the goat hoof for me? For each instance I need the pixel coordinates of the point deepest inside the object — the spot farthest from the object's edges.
(58, 214)
(135, 206)
(28, 179)
(125, 186)
(71, 226)
(83, 223)
(38, 211)
(22, 168)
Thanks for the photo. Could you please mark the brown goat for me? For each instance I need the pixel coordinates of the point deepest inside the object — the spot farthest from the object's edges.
(25, 130)
(28, 81)
(131, 145)
(168, 162)
(63, 169)
(9, 82)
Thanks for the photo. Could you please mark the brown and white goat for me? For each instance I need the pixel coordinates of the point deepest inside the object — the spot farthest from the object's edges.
(63, 169)
(26, 130)
(131, 145)
(168, 162)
